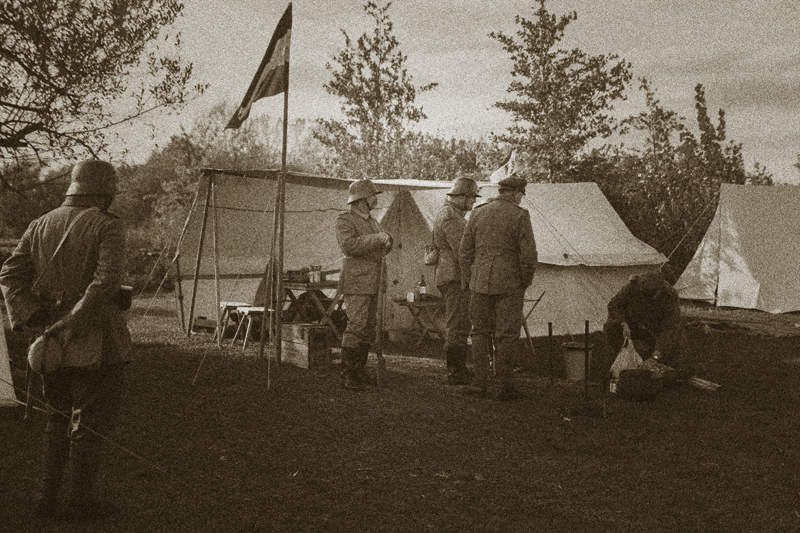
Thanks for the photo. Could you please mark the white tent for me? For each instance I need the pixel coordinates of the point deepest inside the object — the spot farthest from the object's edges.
(586, 253)
(7, 396)
(750, 254)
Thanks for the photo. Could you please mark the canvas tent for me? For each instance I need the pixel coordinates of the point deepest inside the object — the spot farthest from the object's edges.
(750, 254)
(585, 251)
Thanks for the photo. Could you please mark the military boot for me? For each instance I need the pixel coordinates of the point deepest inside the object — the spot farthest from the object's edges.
(56, 455)
(349, 378)
(504, 371)
(364, 376)
(84, 464)
(482, 351)
(459, 374)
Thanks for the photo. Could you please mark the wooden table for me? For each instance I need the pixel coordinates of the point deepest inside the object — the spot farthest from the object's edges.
(290, 287)
(246, 315)
(246, 312)
(423, 309)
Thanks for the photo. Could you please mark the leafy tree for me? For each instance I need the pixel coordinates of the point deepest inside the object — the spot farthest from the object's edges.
(563, 97)
(667, 193)
(378, 93)
(71, 69)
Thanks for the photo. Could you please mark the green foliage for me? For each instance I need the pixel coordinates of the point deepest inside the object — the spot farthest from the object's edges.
(563, 97)
(378, 94)
(73, 68)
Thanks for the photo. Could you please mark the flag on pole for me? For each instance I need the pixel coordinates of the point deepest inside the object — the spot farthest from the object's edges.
(507, 169)
(272, 75)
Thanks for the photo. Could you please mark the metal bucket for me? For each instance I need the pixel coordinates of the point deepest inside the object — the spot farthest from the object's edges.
(575, 360)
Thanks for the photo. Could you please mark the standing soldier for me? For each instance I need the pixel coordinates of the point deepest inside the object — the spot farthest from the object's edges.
(498, 259)
(63, 278)
(364, 245)
(448, 228)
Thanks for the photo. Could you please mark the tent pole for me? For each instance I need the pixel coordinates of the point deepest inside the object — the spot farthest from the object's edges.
(199, 256)
(280, 204)
(281, 214)
(176, 259)
(214, 227)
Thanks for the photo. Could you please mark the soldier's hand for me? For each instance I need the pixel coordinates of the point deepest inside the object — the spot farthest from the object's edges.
(386, 239)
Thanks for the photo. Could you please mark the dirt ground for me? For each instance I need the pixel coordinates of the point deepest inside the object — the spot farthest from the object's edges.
(217, 440)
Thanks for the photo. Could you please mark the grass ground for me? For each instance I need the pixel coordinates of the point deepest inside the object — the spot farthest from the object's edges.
(206, 443)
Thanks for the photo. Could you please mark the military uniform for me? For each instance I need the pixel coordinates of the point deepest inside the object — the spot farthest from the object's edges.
(497, 259)
(653, 315)
(448, 228)
(75, 297)
(359, 237)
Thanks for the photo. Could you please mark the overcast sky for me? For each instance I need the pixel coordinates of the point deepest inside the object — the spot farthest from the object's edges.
(745, 53)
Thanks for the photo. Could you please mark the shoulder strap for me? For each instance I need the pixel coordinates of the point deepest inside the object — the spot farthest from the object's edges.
(60, 244)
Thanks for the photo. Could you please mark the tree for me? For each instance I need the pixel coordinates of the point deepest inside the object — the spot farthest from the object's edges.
(71, 69)
(667, 193)
(379, 95)
(661, 126)
(563, 96)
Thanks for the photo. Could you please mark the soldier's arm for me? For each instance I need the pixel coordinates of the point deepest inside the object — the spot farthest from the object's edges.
(16, 279)
(453, 232)
(352, 242)
(529, 257)
(617, 304)
(466, 253)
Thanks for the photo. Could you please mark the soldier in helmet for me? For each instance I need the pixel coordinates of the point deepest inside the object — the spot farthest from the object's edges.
(448, 228)
(364, 245)
(498, 258)
(67, 288)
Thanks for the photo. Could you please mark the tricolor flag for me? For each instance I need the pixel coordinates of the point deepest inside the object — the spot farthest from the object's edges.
(507, 169)
(272, 76)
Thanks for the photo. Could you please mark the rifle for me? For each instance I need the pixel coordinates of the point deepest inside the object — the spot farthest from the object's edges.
(29, 377)
(380, 374)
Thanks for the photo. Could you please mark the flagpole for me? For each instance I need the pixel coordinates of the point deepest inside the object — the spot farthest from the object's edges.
(282, 214)
(272, 78)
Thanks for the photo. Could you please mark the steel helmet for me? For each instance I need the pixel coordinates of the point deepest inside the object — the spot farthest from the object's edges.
(361, 189)
(464, 187)
(93, 177)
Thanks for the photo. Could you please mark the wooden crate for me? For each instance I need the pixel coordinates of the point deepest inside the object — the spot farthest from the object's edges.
(306, 346)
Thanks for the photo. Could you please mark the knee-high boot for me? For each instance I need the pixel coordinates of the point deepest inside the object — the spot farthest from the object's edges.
(458, 374)
(349, 368)
(482, 351)
(504, 358)
(56, 455)
(84, 464)
(361, 365)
